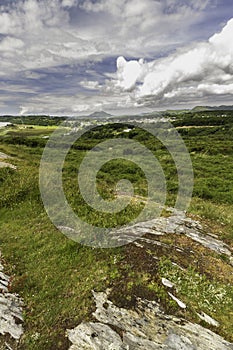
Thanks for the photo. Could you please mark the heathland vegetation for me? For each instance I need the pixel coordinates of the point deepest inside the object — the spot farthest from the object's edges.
(55, 275)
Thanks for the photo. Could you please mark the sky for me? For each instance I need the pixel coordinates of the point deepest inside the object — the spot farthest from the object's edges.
(75, 57)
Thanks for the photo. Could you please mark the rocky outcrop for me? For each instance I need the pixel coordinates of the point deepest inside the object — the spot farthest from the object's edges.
(10, 309)
(146, 327)
(3, 163)
(178, 223)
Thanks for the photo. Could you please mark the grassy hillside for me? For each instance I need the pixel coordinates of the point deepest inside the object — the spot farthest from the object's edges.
(55, 275)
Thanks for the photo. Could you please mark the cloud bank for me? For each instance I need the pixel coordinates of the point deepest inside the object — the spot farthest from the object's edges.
(58, 56)
(40, 33)
(194, 72)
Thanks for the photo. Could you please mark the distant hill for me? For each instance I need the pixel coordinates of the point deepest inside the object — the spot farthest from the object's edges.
(176, 111)
(101, 114)
(212, 108)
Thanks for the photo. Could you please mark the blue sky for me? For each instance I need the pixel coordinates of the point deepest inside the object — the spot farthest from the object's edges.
(73, 57)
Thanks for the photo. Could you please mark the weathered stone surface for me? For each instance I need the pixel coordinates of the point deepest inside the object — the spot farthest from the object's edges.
(203, 316)
(180, 224)
(179, 302)
(177, 223)
(3, 155)
(10, 309)
(94, 336)
(7, 165)
(4, 164)
(147, 328)
(167, 283)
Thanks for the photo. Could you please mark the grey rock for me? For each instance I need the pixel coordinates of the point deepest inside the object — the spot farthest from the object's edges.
(179, 302)
(203, 316)
(7, 165)
(177, 223)
(147, 328)
(180, 224)
(10, 309)
(209, 242)
(3, 163)
(177, 342)
(94, 336)
(167, 283)
(4, 155)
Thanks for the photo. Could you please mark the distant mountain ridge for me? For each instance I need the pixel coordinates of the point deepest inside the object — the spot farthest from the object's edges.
(101, 114)
(212, 108)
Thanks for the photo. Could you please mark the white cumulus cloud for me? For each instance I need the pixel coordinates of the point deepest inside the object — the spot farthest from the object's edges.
(41, 40)
(202, 69)
(129, 72)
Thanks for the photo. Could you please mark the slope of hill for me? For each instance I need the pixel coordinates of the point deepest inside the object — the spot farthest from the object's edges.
(181, 267)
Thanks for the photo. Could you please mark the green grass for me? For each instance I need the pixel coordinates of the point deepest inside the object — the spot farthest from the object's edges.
(200, 293)
(55, 275)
